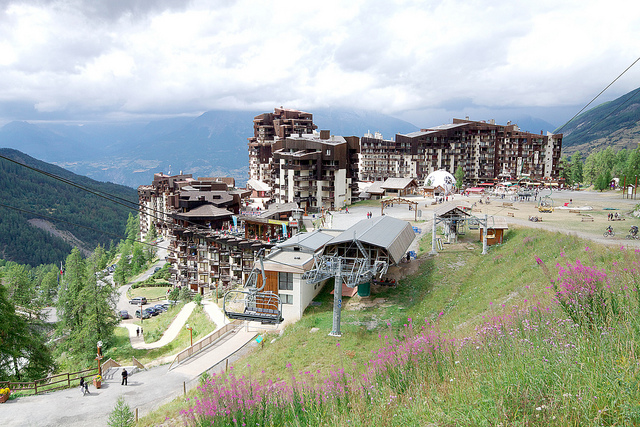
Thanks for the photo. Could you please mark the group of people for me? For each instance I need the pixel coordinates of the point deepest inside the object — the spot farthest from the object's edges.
(84, 386)
(139, 331)
(369, 215)
(613, 216)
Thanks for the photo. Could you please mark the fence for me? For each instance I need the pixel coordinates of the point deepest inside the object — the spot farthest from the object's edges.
(204, 342)
(44, 385)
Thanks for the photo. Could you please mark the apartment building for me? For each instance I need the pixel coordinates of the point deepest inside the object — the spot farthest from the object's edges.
(206, 248)
(317, 171)
(484, 150)
(269, 128)
(381, 159)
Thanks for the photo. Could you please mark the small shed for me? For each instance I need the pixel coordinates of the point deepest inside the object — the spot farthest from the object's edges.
(495, 233)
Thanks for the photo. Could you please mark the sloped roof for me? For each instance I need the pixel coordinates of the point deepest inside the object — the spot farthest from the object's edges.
(392, 234)
(375, 188)
(399, 183)
(258, 185)
(277, 208)
(496, 223)
(311, 242)
(205, 211)
(451, 208)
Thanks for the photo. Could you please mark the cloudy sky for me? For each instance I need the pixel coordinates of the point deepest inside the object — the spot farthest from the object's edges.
(424, 61)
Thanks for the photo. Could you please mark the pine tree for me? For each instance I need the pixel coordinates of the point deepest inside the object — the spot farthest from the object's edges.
(121, 416)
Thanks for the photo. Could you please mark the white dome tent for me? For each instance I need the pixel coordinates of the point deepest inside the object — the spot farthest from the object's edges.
(441, 178)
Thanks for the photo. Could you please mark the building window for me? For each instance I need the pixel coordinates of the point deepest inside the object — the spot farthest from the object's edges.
(286, 299)
(285, 281)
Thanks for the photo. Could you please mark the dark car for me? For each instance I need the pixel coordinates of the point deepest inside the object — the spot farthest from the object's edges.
(155, 270)
(145, 314)
(152, 311)
(161, 308)
(124, 314)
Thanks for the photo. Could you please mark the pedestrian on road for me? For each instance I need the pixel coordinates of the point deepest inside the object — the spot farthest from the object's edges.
(124, 376)
(84, 386)
(137, 332)
(141, 331)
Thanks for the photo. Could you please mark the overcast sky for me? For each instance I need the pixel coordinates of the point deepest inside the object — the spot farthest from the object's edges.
(426, 62)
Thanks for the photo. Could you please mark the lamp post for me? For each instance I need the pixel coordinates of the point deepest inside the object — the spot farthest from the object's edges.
(191, 332)
(99, 357)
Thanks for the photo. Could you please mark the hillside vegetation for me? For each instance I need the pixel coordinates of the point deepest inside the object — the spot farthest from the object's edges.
(613, 124)
(24, 189)
(543, 330)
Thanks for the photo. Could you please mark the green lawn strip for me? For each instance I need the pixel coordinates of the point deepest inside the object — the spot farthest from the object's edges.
(154, 327)
(122, 351)
(149, 292)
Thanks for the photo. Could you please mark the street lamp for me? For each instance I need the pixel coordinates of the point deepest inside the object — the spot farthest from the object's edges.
(191, 332)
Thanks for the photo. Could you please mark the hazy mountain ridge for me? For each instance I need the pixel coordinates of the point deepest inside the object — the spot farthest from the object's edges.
(212, 144)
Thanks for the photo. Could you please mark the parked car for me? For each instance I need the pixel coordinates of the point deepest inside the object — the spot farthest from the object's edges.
(155, 270)
(138, 301)
(145, 315)
(152, 311)
(161, 308)
(124, 314)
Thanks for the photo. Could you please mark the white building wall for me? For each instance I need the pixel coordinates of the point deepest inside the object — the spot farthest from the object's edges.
(303, 293)
(340, 185)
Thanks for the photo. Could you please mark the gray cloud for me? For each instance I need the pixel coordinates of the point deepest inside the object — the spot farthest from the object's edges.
(136, 58)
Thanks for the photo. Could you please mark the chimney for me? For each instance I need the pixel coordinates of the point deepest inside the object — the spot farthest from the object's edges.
(325, 134)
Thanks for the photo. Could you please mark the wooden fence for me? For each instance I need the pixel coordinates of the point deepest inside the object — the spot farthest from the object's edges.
(204, 342)
(51, 383)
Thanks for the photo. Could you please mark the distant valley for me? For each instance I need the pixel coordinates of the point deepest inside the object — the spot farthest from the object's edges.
(212, 144)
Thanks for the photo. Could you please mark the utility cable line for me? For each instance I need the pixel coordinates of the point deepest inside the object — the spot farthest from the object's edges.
(598, 95)
(73, 223)
(107, 196)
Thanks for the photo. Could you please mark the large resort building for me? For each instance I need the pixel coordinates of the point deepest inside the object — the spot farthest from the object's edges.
(207, 248)
(484, 150)
(269, 128)
(317, 171)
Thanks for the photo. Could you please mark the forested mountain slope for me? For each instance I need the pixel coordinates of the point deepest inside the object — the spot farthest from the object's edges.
(74, 209)
(611, 124)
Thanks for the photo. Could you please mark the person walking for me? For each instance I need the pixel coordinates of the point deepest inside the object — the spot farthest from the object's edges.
(124, 376)
(137, 332)
(84, 386)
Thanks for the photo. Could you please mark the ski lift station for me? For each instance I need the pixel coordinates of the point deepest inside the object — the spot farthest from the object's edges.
(296, 270)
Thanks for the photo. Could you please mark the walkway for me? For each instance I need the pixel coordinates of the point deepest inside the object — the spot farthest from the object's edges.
(169, 335)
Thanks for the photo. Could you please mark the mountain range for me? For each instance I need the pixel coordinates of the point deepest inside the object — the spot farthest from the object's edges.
(212, 144)
(611, 124)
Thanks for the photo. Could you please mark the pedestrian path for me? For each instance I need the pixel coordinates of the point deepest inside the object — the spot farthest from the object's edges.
(170, 334)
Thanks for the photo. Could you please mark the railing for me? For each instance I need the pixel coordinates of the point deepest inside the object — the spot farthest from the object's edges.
(204, 342)
(44, 384)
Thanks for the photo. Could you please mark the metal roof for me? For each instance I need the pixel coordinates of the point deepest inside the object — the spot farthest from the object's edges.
(311, 242)
(451, 208)
(395, 235)
(399, 183)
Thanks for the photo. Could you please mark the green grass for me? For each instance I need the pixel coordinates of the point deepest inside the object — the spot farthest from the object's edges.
(149, 292)
(121, 350)
(520, 364)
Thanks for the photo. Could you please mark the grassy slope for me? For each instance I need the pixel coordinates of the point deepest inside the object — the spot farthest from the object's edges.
(459, 290)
